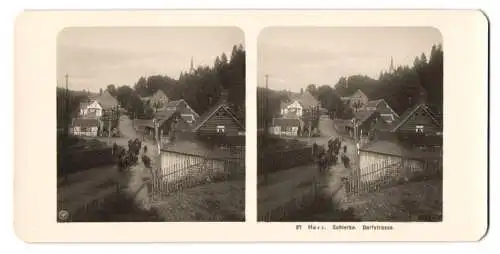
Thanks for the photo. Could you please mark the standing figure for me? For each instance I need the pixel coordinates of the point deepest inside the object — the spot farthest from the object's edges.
(346, 161)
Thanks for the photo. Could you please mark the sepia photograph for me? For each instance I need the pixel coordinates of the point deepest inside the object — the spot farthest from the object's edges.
(150, 124)
(350, 124)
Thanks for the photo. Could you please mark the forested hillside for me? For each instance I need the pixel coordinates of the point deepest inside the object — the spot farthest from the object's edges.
(200, 88)
(402, 88)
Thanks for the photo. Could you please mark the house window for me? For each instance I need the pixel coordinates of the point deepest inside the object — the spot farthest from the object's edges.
(419, 129)
(221, 129)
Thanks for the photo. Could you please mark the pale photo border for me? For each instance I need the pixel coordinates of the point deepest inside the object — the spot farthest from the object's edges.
(465, 183)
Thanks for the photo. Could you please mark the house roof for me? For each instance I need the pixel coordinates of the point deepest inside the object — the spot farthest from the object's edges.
(360, 92)
(382, 126)
(187, 118)
(166, 114)
(351, 95)
(177, 103)
(286, 122)
(209, 113)
(107, 100)
(409, 112)
(388, 118)
(190, 147)
(362, 116)
(375, 103)
(306, 99)
(159, 93)
(394, 148)
(85, 122)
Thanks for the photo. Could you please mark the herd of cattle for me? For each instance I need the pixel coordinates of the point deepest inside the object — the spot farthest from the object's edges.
(328, 157)
(128, 157)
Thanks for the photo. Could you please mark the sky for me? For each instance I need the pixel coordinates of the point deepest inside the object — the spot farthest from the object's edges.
(295, 57)
(94, 57)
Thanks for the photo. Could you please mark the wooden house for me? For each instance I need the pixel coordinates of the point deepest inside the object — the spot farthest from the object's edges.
(356, 101)
(419, 126)
(383, 108)
(299, 104)
(175, 116)
(107, 101)
(362, 123)
(157, 100)
(220, 122)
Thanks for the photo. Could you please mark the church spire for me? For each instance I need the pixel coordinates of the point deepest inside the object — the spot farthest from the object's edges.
(191, 69)
(391, 68)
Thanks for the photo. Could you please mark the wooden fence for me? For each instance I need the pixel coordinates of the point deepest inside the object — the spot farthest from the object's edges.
(187, 171)
(386, 174)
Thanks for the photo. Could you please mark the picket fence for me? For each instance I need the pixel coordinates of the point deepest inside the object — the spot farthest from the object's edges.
(187, 171)
(386, 174)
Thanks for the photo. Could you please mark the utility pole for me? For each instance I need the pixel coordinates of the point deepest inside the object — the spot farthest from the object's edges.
(266, 116)
(109, 126)
(66, 126)
(266, 124)
(67, 118)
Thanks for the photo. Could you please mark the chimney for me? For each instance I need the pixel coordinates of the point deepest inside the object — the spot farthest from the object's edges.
(223, 95)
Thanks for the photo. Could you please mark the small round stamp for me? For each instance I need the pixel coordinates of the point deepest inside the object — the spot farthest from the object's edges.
(63, 215)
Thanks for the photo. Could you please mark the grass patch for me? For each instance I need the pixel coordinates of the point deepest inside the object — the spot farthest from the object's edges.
(223, 201)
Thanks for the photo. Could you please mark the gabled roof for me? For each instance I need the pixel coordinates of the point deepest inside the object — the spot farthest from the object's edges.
(214, 109)
(306, 99)
(107, 100)
(362, 116)
(396, 149)
(388, 118)
(192, 148)
(381, 125)
(177, 103)
(85, 122)
(360, 92)
(159, 93)
(409, 112)
(375, 104)
(86, 104)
